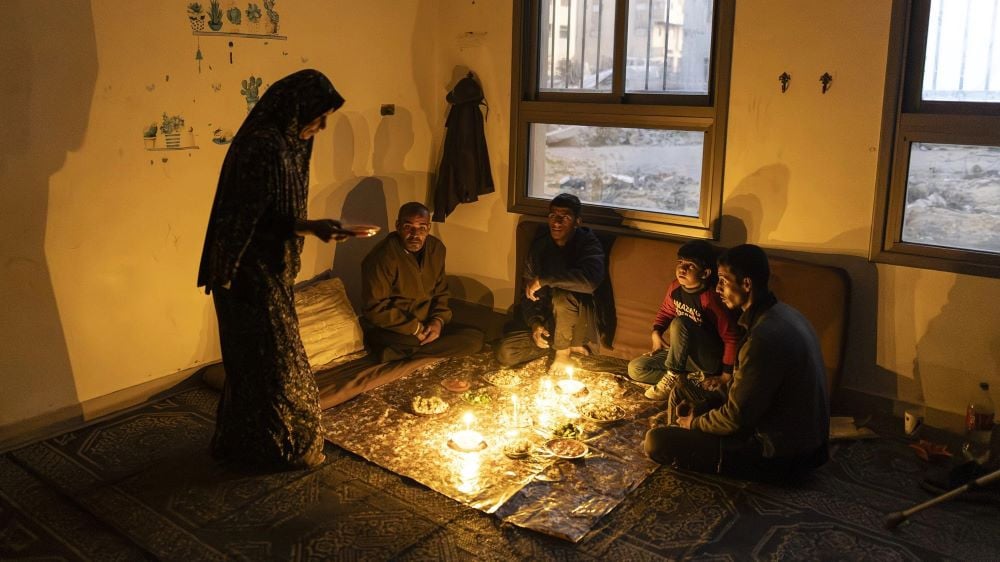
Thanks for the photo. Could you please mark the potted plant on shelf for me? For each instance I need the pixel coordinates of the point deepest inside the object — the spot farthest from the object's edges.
(196, 16)
(215, 16)
(272, 15)
(235, 17)
(171, 127)
(149, 136)
(253, 18)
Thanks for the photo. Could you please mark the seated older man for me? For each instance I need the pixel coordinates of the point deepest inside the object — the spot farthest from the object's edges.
(406, 313)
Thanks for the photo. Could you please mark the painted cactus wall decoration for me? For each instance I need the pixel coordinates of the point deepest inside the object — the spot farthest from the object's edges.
(251, 91)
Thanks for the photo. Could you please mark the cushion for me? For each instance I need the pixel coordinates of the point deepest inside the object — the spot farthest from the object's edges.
(327, 323)
(642, 267)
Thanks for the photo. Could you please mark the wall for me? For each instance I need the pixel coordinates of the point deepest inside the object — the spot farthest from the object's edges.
(100, 239)
(801, 174)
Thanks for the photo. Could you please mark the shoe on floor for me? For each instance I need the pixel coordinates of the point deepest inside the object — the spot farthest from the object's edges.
(661, 390)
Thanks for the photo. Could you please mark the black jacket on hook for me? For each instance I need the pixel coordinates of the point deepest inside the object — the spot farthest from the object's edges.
(464, 174)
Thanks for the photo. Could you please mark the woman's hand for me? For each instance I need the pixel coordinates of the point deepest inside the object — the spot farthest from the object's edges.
(324, 229)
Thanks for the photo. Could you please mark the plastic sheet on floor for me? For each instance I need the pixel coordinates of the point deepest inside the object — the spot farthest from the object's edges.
(510, 466)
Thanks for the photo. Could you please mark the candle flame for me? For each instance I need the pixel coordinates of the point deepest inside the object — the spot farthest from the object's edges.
(569, 372)
(468, 418)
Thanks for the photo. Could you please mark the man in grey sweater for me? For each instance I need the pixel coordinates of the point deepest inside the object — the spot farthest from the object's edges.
(776, 419)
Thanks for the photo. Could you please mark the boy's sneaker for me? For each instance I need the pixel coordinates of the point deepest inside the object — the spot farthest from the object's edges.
(661, 390)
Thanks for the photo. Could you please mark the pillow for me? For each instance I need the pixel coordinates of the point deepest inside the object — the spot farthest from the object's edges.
(327, 324)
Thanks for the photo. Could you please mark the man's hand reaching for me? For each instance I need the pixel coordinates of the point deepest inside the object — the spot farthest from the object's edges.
(539, 335)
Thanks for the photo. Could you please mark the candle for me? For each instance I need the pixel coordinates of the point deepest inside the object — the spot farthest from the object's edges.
(517, 414)
(569, 385)
(467, 439)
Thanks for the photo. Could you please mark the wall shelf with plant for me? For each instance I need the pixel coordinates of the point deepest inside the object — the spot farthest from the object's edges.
(233, 22)
(169, 134)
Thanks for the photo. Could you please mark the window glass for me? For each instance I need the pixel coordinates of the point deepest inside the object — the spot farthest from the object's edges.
(576, 45)
(630, 168)
(669, 46)
(953, 197)
(962, 59)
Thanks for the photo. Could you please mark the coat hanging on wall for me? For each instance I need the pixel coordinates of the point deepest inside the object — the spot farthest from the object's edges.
(464, 174)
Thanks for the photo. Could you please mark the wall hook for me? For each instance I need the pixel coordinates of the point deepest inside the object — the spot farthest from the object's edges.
(785, 78)
(826, 79)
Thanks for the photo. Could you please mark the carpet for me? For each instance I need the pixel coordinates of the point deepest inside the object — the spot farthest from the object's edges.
(141, 485)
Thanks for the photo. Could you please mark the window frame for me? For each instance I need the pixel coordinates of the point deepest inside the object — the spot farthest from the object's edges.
(706, 113)
(908, 119)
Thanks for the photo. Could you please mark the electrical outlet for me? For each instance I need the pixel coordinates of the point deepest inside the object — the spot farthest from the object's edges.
(388, 109)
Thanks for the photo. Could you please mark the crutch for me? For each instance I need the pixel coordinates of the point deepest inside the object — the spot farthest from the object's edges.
(894, 519)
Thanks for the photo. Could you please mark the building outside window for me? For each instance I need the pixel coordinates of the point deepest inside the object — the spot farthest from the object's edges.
(623, 104)
(939, 167)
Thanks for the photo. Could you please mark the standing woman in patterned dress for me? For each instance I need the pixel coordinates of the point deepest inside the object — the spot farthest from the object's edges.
(269, 413)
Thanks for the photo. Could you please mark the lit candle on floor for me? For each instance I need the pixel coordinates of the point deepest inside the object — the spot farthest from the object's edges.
(467, 439)
(517, 413)
(569, 385)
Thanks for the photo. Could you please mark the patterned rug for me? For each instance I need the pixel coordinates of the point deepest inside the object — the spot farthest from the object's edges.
(141, 485)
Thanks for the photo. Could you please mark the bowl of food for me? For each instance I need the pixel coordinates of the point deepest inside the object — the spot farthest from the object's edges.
(428, 405)
(478, 397)
(517, 449)
(455, 384)
(566, 448)
(602, 413)
(504, 378)
(568, 431)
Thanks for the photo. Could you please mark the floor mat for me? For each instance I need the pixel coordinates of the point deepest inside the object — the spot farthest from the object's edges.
(141, 485)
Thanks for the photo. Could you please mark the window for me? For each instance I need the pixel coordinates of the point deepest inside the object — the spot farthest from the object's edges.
(623, 103)
(939, 166)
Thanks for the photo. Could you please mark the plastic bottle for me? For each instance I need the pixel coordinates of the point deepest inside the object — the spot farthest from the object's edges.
(979, 419)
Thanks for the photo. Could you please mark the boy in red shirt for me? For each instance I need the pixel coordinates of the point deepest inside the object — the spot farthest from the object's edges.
(693, 333)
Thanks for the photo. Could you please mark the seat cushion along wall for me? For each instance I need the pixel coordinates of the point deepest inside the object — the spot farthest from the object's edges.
(641, 268)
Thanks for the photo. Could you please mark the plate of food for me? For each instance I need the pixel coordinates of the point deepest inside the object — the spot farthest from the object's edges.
(455, 384)
(517, 449)
(504, 378)
(358, 230)
(428, 405)
(478, 397)
(602, 413)
(566, 448)
(567, 431)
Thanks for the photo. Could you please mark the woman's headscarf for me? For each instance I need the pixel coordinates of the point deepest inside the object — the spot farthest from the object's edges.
(292, 103)
(266, 169)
